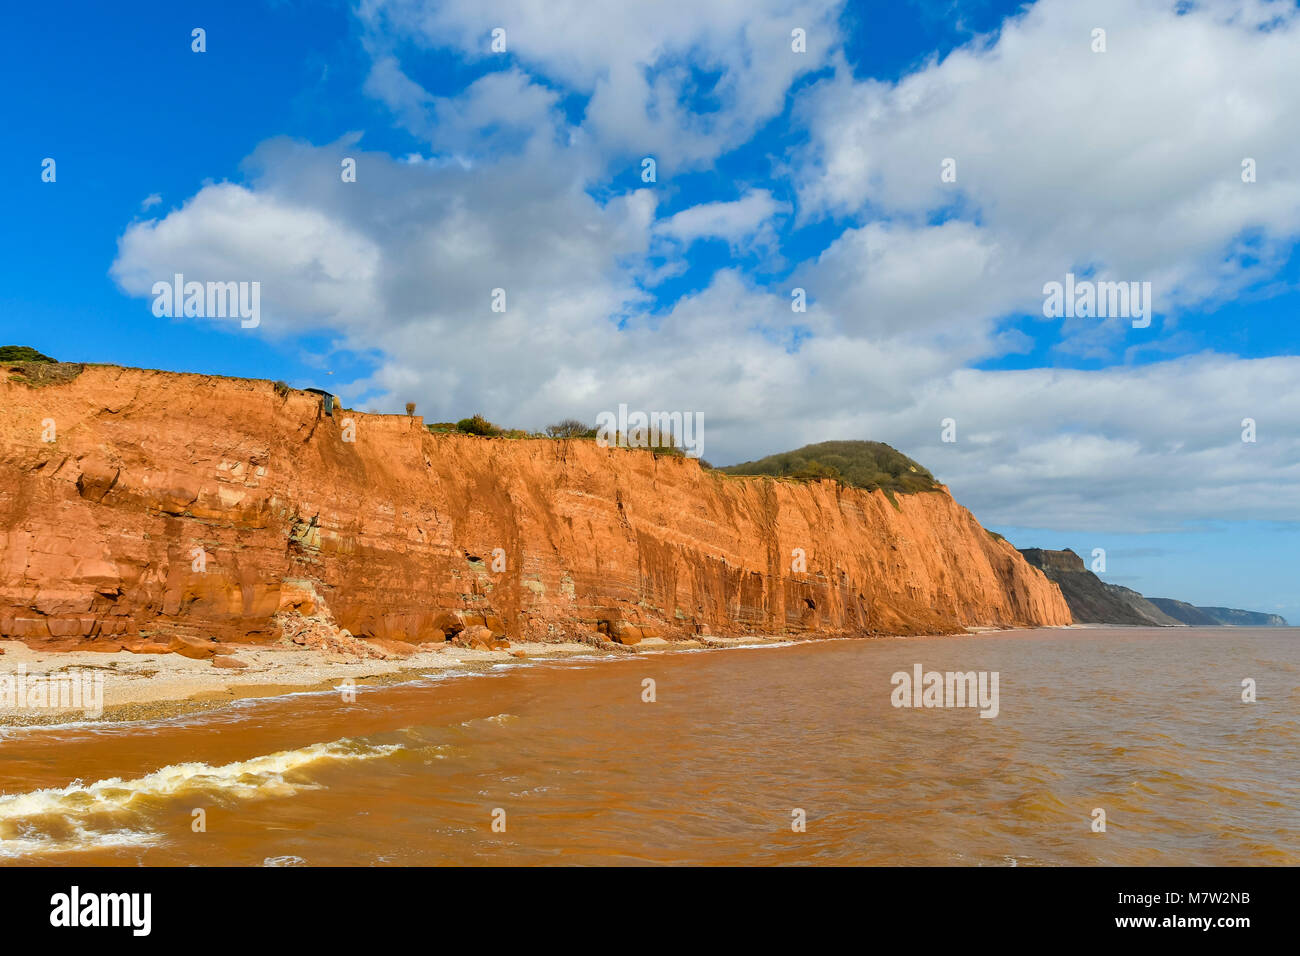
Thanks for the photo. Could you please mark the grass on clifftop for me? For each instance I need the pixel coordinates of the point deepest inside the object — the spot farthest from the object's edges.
(570, 428)
(870, 465)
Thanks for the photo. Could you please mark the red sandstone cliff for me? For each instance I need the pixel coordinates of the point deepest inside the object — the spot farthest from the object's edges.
(99, 529)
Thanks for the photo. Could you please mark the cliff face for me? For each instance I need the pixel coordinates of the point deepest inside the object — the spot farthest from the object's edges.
(184, 505)
(1185, 613)
(1235, 617)
(1138, 603)
(1092, 600)
(1217, 616)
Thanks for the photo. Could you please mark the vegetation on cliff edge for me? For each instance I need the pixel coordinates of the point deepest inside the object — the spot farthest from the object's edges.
(870, 465)
(26, 366)
(22, 353)
(569, 428)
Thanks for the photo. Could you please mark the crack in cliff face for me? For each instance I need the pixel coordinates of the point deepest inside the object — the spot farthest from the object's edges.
(94, 487)
(311, 431)
(588, 534)
(108, 409)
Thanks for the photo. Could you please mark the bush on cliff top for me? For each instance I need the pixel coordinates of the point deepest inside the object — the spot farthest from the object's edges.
(570, 428)
(478, 425)
(870, 465)
(22, 353)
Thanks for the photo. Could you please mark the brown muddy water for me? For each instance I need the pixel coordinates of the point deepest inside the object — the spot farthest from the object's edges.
(1146, 724)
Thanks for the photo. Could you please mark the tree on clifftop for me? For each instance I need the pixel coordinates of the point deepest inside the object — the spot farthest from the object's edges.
(570, 428)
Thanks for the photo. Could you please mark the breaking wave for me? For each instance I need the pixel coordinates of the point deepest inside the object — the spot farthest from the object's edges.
(73, 818)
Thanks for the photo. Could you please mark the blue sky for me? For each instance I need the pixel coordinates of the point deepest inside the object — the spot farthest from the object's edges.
(776, 170)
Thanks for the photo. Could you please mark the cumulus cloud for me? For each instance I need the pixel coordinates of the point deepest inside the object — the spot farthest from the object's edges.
(498, 112)
(1126, 162)
(678, 79)
(321, 270)
(405, 260)
(748, 220)
(895, 280)
(1121, 449)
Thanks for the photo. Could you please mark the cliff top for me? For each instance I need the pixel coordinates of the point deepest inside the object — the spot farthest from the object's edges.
(1065, 560)
(869, 465)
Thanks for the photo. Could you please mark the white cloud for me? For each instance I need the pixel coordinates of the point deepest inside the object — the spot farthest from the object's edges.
(747, 220)
(499, 111)
(677, 79)
(1122, 448)
(1127, 161)
(887, 280)
(320, 269)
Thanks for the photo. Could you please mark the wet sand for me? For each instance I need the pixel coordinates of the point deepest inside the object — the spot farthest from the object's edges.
(157, 686)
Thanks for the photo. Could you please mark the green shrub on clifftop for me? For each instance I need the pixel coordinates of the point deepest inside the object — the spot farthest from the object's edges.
(478, 425)
(22, 353)
(871, 465)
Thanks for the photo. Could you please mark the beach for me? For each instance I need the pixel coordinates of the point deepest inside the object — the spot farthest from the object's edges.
(148, 686)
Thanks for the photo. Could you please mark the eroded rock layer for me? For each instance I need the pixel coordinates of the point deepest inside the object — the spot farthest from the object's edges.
(140, 507)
